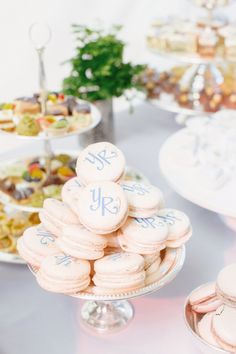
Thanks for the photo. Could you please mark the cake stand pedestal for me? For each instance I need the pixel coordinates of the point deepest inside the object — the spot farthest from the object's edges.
(111, 313)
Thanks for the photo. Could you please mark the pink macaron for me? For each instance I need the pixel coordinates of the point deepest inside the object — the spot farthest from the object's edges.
(102, 207)
(100, 162)
(179, 227)
(78, 242)
(61, 273)
(204, 299)
(36, 244)
(71, 191)
(204, 328)
(143, 236)
(167, 264)
(144, 199)
(55, 215)
(226, 285)
(118, 273)
(224, 328)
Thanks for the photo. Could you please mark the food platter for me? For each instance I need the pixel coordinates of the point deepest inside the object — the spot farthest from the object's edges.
(95, 116)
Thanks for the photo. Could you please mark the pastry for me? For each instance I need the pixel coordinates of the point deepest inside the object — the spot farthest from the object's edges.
(226, 285)
(78, 242)
(60, 211)
(143, 236)
(205, 299)
(26, 105)
(119, 272)
(61, 273)
(144, 200)
(100, 162)
(71, 191)
(179, 228)
(207, 42)
(102, 207)
(164, 268)
(28, 126)
(224, 328)
(204, 328)
(36, 244)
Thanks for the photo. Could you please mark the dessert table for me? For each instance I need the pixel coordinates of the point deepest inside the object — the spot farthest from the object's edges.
(33, 321)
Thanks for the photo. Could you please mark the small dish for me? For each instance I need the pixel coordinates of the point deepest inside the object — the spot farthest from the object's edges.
(199, 342)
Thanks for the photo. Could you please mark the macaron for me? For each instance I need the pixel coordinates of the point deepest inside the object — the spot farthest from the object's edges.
(166, 265)
(150, 258)
(204, 299)
(102, 207)
(56, 214)
(118, 273)
(204, 329)
(61, 273)
(100, 162)
(224, 328)
(226, 285)
(143, 235)
(78, 242)
(179, 227)
(60, 211)
(113, 245)
(36, 244)
(71, 191)
(152, 270)
(50, 223)
(144, 200)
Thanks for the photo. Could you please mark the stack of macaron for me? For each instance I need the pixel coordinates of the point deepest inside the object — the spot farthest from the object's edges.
(213, 309)
(108, 235)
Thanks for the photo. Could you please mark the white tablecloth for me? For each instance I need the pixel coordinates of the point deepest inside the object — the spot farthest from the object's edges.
(33, 321)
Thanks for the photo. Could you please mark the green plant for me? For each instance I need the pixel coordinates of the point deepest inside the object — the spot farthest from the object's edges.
(98, 71)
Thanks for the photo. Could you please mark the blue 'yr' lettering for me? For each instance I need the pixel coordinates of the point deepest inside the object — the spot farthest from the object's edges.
(101, 159)
(140, 189)
(103, 203)
(63, 259)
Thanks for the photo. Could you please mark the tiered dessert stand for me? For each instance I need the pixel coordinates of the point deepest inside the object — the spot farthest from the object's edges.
(194, 77)
(40, 35)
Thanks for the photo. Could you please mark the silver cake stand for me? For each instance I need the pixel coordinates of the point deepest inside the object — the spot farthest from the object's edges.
(111, 313)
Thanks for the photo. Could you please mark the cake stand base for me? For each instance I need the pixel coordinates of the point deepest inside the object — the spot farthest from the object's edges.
(106, 316)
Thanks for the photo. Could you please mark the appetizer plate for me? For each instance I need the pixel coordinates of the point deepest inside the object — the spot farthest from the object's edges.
(95, 119)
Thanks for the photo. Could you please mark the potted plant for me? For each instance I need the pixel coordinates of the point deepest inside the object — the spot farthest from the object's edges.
(99, 73)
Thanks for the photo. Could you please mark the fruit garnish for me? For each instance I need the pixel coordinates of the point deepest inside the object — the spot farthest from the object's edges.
(66, 172)
(33, 166)
(52, 97)
(61, 96)
(37, 174)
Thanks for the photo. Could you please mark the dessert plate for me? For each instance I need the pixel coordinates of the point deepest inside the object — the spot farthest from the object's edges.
(188, 178)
